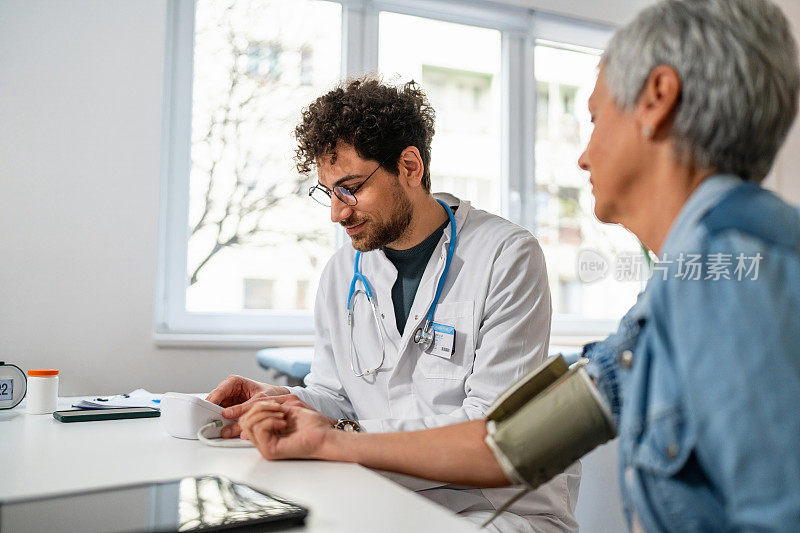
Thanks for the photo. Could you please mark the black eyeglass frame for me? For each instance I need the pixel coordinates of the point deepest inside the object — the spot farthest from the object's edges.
(345, 191)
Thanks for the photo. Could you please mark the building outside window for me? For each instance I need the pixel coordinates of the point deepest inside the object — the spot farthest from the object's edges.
(258, 293)
(306, 65)
(303, 300)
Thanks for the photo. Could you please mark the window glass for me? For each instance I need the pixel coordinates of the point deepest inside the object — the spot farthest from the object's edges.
(256, 238)
(587, 261)
(458, 66)
(258, 293)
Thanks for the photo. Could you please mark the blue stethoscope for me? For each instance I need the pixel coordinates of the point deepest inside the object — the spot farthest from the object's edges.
(424, 335)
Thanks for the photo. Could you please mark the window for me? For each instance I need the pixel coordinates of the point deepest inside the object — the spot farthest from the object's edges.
(458, 66)
(264, 60)
(242, 248)
(245, 213)
(251, 237)
(565, 223)
(302, 295)
(569, 296)
(306, 65)
(258, 293)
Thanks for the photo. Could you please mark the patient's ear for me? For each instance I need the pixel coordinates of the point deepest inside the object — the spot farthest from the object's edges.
(658, 102)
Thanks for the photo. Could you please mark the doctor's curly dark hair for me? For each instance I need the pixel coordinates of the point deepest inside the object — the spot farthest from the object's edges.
(379, 120)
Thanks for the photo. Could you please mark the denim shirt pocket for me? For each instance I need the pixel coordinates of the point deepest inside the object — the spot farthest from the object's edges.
(661, 452)
(665, 442)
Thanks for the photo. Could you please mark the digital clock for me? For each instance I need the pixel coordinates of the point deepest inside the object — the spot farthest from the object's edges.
(13, 385)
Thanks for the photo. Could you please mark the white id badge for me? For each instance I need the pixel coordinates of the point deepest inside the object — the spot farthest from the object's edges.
(444, 340)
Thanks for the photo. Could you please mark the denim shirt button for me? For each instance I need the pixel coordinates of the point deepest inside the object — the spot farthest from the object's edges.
(626, 359)
(672, 451)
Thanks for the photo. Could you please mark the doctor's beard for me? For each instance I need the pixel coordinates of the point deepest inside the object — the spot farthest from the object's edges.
(379, 233)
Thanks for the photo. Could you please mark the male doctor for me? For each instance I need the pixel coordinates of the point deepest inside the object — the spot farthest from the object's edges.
(372, 371)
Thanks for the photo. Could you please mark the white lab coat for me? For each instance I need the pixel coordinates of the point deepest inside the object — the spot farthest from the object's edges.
(497, 297)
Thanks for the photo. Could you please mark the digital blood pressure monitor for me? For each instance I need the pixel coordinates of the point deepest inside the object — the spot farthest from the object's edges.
(13, 385)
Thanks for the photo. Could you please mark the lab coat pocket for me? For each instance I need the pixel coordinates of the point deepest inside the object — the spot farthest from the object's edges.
(459, 316)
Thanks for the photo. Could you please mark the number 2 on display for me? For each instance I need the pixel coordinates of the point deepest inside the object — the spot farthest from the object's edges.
(5, 388)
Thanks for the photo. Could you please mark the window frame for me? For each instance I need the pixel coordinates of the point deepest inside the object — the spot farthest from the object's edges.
(521, 28)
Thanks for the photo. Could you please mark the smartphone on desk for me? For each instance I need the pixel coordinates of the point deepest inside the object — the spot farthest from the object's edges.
(113, 413)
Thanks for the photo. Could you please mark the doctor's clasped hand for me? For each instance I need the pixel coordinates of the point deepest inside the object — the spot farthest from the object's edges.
(235, 390)
(239, 394)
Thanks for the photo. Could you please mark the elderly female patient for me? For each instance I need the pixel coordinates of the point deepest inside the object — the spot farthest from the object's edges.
(692, 101)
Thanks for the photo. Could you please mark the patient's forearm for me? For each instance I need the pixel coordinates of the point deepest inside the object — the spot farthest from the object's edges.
(455, 454)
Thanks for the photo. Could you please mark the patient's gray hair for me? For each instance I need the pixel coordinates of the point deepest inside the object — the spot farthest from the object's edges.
(738, 66)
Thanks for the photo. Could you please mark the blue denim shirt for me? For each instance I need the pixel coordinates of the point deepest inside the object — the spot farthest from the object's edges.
(703, 375)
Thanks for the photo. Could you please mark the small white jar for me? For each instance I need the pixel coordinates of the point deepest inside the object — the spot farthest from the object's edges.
(42, 395)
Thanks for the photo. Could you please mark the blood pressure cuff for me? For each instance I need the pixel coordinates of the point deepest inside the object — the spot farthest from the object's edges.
(552, 430)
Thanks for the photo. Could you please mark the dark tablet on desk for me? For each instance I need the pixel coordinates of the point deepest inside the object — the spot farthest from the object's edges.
(208, 503)
(110, 413)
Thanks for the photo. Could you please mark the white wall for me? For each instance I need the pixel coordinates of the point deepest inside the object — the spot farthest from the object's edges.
(613, 12)
(80, 141)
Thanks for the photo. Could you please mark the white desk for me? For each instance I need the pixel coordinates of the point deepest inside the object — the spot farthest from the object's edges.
(43, 456)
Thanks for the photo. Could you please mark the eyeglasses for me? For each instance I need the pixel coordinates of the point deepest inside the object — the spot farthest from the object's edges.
(347, 195)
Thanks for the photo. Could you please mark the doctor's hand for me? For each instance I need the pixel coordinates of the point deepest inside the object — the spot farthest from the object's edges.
(238, 411)
(286, 431)
(236, 389)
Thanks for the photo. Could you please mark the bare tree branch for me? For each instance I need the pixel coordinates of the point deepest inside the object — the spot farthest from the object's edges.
(239, 192)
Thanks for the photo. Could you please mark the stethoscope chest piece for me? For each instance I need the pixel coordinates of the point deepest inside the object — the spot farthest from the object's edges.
(424, 337)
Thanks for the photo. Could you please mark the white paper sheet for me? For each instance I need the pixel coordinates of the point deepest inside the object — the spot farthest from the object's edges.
(137, 398)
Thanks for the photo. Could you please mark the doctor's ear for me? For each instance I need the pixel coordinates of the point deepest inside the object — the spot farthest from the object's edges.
(410, 167)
